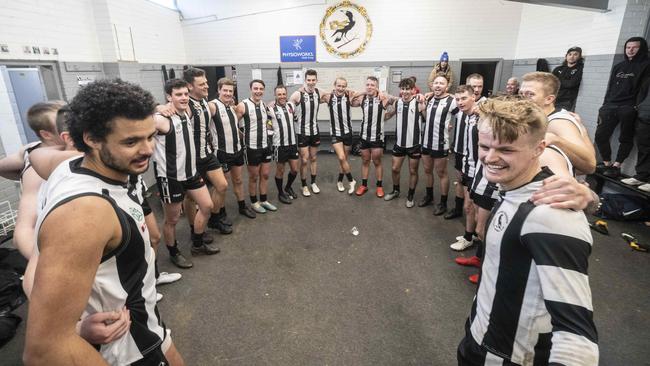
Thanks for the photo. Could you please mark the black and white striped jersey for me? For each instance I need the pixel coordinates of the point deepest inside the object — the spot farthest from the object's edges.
(408, 121)
(481, 99)
(339, 115)
(372, 124)
(460, 129)
(481, 186)
(26, 163)
(254, 125)
(470, 144)
(284, 133)
(533, 303)
(308, 106)
(561, 113)
(224, 129)
(174, 156)
(200, 121)
(439, 114)
(125, 276)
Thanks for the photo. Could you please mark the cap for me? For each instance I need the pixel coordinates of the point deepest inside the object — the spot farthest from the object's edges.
(444, 57)
(576, 49)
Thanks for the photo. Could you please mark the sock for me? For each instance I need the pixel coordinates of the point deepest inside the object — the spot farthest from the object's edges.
(411, 193)
(429, 192)
(304, 182)
(313, 178)
(192, 229)
(349, 176)
(290, 179)
(479, 248)
(278, 183)
(241, 204)
(340, 178)
(214, 217)
(263, 198)
(253, 199)
(197, 239)
(468, 236)
(459, 203)
(173, 249)
(378, 183)
(364, 182)
(443, 200)
(222, 211)
(395, 187)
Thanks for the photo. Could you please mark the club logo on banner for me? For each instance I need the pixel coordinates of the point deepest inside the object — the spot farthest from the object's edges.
(297, 48)
(345, 29)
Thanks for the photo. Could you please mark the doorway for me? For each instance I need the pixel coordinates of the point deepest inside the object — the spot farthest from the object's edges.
(29, 89)
(213, 74)
(488, 69)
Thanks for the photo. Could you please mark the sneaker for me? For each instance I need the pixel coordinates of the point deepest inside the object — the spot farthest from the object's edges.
(257, 207)
(292, 194)
(340, 187)
(219, 226)
(315, 188)
(361, 190)
(453, 214)
(380, 192)
(632, 181)
(225, 220)
(472, 261)
(159, 296)
(426, 201)
(461, 244)
(612, 172)
(351, 186)
(645, 187)
(246, 211)
(390, 196)
(305, 191)
(474, 278)
(166, 277)
(440, 209)
(207, 238)
(601, 167)
(208, 249)
(268, 206)
(180, 261)
(284, 198)
(409, 203)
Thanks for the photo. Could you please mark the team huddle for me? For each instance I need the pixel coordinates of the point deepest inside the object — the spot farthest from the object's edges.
(516, 159)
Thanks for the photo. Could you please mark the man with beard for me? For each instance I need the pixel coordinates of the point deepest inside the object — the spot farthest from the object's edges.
(284, 143)
(570, 76)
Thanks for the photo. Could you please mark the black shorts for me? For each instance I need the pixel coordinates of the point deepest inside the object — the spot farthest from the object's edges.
(207, 164)
(471, 353)
(282, 154)
(484, 202)
(346, 139)
(172, 190)
(146, 209)
(436, 154)
(458, 162)
(412, 152)
(308, 141)
(229, 160)
(258, 156)
(371, 144)
(466, 180)
(154, 358)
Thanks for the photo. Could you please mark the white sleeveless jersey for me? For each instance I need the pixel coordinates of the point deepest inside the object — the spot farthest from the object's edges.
(125, 276)
(562, 113)
(372, 124)
(339, 115)
(439, 114)
(174, 155)
(254, 125)
(408, 123)
(224, 129)
(283, 129)
(308, 106)
(201, 133)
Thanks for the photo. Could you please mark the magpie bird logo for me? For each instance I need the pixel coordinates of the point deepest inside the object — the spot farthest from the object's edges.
(345, 29)
(500, 221)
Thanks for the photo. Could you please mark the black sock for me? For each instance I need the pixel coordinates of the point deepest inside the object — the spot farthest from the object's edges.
(378, 183)
(241, 204)
(222, 211)
(278, 183)
(468, 236)
(197, 239)
(313, 178)
(429, 192)
(263, 198)
(411, 193)
(340, 178)
(214, 217)
(395, 187)
(192, 229)
(349, 176)
(290, 179)
(364, 182)
(155, 266)
(304, 182)
(459, 203)
(253, 199)
(173, 249)
(443, 200)
(479, 248)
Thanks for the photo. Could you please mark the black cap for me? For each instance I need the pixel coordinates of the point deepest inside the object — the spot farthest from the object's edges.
(575, 48)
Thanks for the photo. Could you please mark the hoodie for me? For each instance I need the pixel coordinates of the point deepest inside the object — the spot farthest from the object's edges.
(626, 77)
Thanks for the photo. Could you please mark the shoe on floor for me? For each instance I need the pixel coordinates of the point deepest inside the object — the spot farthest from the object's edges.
(305, 191)
(219, 226)
(461, 244)
(472, 261)
(291, 193)
(601, 167)
(453, 214)
(440, 209)
(351, 186)
(208, 249)
(361, 190)
(284, 198)
(268, 206)
(390, 196)
(426, 201)
(246, 211)
(159, 296)
(474, 278)
(314, 188)
(632, 181)
(380, 192)
(224, 219)
(180, 261)
(409, 203)
(645, 187)
(257, 207)
(166, 277)
(339, 186)
(612, 172)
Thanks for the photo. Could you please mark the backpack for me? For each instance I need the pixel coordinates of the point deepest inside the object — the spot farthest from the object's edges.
(623, 207)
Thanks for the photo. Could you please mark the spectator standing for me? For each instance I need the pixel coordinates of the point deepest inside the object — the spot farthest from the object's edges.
(570, 75)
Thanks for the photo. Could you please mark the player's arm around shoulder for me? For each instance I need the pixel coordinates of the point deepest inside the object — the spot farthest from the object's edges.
(72, 240)
(295, 97)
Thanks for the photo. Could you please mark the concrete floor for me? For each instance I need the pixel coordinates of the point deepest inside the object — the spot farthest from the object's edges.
(295, 287)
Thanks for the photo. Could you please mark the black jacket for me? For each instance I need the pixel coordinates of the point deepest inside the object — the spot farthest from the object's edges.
(570, 79)
(626, 77)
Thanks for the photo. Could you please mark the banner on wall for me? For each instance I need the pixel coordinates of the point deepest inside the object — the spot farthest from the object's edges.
(297, 48)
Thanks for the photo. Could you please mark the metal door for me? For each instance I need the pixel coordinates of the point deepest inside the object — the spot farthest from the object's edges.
(28, 90)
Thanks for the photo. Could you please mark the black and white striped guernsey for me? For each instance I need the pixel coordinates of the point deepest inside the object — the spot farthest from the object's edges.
(126, 275)
(28, 150)
(561, 113)
(224, 128)
(408, 122)
(200, 121)
(339, 115)
(372, 124)
(481, 186)
(460, 129)
(284, 133)
(174, 155)
(470, 145)
(439, 114)
(254, 125)
(533, 304)
(308, 106)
